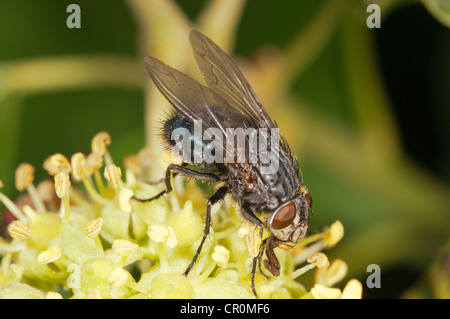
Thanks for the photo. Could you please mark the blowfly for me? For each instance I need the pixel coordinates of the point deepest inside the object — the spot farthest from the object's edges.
(226, 104)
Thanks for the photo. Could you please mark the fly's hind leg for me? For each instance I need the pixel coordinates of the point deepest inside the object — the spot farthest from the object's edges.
(218, 196)
(179, 169)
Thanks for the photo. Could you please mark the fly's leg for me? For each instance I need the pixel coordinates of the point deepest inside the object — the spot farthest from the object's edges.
(218, 195)
(249, 213)
(257, 262)
(181, 170)
(272, 264)
(259, 257)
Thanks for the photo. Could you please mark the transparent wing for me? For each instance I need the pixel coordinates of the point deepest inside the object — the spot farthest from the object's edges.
(224, 77)
(193, 100)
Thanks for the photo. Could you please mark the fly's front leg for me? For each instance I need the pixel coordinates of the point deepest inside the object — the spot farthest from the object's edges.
(179, 169)
(218, 195)
(249, 213)
(272, 264)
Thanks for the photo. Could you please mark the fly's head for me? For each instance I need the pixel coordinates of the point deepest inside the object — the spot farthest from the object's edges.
(289, 222)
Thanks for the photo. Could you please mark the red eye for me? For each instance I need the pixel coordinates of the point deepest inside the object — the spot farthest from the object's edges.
(309, 200)
(284, 217)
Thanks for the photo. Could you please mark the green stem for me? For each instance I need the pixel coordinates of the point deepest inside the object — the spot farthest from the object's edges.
(220, 19)
(311, 40)
(13, 208)
(163, 261)
(365, 85)
(49, 74)
(40, 208)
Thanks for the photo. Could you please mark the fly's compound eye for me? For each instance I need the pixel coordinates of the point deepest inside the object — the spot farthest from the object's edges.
(284, 217)
(308, 200)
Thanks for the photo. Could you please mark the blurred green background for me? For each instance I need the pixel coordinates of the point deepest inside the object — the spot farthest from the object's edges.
(365, 110)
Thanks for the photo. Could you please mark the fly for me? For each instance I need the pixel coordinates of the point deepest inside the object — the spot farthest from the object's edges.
(228, 102)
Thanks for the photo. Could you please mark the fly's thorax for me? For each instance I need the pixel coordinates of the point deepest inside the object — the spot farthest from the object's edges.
(282, 185)
(265, 192)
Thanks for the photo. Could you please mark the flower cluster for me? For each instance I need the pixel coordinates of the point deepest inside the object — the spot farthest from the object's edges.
(93, 240)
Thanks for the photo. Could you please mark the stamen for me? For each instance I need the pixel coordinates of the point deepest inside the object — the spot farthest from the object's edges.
(100, 143)
(78, 162)
(24, 176)
(163, 234)
(320, 259)
(333, 234)
(29, 212)
(50, 255)
(324, 292)
(95, 294)
(18, 229)
(125, 196)
(62, 184)
(45, 190)
(99, 146)
(93, 228)
(118, 277)
(93, 163)
(53, 295)
(24, 180)
(113, 174)
(333, 274)
(123, 247)
(251, 236)
(221, 255)
(57, 163)
(353, 290)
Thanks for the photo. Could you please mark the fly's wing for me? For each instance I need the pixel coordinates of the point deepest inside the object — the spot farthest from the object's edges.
(194, 101)
(224, 77)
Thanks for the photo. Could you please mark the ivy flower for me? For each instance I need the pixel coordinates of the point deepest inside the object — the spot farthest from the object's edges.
(86, 236)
